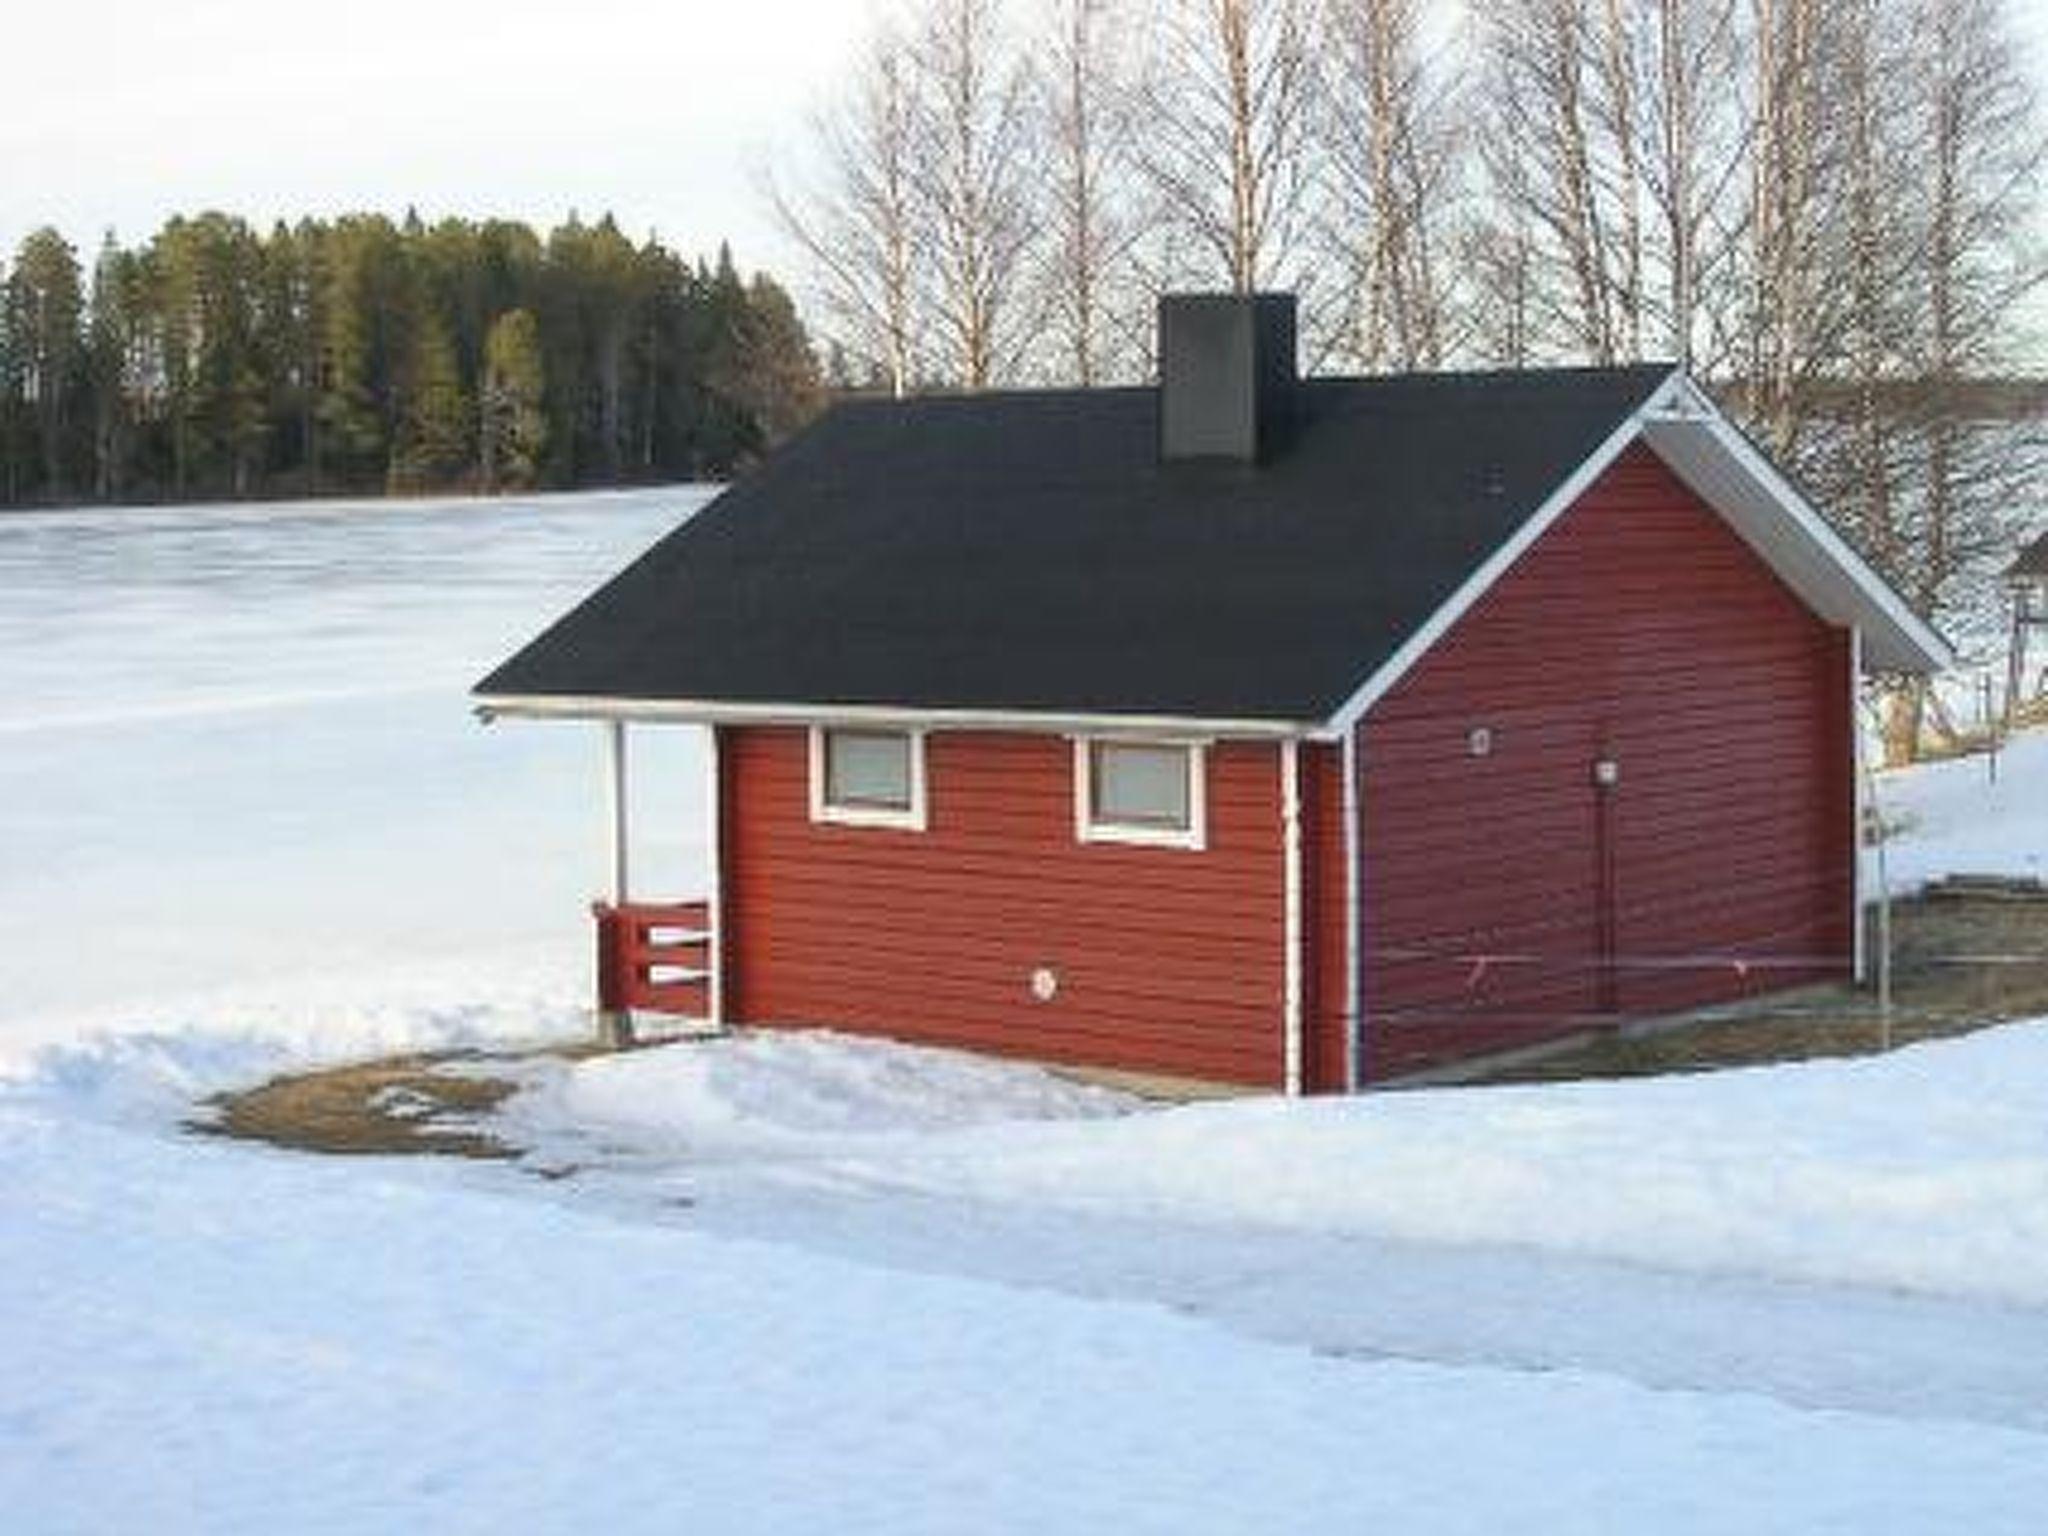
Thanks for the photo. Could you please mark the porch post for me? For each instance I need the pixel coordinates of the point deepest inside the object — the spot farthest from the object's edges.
(714, 990)
(1291, 926)
(614, 1019)
(1354, 936)
(615, 807)
(1859, 803)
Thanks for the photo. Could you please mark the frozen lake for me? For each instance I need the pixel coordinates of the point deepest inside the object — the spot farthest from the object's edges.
(236, 751)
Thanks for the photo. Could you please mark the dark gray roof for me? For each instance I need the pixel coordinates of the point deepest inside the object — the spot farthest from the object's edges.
(1029, 552)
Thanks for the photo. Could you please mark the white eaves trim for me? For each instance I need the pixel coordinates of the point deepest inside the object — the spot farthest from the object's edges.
(1721, 466)
(890, 717)
(1726, 470)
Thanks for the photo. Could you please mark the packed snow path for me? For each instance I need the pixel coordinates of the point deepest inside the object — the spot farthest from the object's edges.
(1262, 1219)
(215, 1339)
(1811, 1346)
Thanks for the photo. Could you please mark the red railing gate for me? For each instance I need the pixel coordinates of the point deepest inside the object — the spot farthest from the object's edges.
(654, 957)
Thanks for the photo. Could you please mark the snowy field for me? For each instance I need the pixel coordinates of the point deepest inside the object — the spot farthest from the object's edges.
(803, 1284)
(1970, 815)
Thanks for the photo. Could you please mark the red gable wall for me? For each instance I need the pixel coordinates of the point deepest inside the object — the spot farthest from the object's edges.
(1169, 960)
(1507, 899)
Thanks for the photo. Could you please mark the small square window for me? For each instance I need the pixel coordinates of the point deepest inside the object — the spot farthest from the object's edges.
(869, 768)
(1140, 792)
(1139, 786)
(868, 777)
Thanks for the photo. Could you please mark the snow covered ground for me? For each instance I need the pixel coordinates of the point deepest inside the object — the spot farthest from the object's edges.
(1969, 815)
(1924, 1171)
(212, 1339)
(807, 1283)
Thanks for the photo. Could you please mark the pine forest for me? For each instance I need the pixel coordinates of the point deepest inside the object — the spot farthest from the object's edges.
(364, 355)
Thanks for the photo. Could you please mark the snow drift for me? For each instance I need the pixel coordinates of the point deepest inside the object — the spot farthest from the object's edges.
(1925, 1170)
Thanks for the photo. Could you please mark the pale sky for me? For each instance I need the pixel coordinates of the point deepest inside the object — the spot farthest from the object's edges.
(118, 113)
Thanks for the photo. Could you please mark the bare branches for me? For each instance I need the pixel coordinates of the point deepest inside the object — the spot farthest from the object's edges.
(1096, 303)
(1690, 163)
(856, 220)
(1826, 208)
(1393, 171)
(1763, 189)
(976, 176)
(1543, 163)
(1229, 150)
(1612, 132)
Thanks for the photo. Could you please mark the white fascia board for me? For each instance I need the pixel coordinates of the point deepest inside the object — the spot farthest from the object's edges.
(1480, 582)
(713, 712)
(1707, 451)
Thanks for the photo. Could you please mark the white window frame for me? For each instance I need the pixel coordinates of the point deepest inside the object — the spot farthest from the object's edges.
(910, 818)
(1089, 829)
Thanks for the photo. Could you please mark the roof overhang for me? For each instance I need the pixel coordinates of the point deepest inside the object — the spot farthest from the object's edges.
(1706, 451)
(491, 707)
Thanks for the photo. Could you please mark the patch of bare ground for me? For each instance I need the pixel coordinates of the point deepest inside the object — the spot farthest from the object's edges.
(404, 1104)
(1963, 960)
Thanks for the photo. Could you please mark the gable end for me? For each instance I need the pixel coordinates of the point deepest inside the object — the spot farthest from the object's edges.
(1719, 465)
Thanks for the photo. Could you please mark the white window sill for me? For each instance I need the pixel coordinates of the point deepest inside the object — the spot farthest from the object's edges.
(900, 819)
(1142, 836)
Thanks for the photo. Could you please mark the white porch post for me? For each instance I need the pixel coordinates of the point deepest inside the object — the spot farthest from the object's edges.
(614, 1020)
(1290, 829)
(615, 808)
(1354, 938)
(1859, 802)
(714, 990)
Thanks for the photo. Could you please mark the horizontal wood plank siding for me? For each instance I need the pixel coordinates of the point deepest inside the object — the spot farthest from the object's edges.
(1168, 960)
(1327, 1046)
(1510, 900)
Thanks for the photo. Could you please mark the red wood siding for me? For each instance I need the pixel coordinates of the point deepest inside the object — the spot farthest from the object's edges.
(1506, 898)
(1327, 1045)
(1169, 960)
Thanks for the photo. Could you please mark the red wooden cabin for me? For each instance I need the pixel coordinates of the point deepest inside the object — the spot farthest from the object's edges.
(1293, 733)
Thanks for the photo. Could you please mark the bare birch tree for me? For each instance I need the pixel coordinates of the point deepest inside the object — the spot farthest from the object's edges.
(1228, 104)
(1691, 161)
(1781, 193)
(1890, 240)
(1615, 112)
(1097, 308)
(1614, 130)
(1497, 253)
(853, 213)
(1980, 154)
(1858, 468)
(977, 178)
(1541, 147)
(1392, 185)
